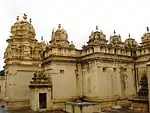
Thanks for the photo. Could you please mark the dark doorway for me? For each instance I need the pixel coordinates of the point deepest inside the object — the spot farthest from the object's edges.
(42, 100)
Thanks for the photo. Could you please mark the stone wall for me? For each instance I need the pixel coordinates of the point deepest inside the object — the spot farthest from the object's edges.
(63, 80)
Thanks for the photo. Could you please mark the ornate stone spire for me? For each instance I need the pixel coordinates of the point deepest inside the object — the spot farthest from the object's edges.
(24, 50)
(97, 38)
(60, 37)
(130, 42)
(146, 38)
(115, 40)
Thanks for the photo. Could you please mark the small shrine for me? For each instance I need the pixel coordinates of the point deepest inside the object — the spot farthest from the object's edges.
(140, 102)
(41, 92)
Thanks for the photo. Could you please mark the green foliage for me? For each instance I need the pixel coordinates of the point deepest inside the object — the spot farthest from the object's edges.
(2, 73)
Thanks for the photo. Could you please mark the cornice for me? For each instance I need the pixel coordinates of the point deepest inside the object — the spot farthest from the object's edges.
(83, 59)
(142, 62)
(40, 86)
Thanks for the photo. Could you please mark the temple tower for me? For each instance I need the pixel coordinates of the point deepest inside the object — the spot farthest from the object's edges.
(22, 59)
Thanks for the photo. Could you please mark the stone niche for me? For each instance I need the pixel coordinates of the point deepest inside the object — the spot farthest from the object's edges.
(41, 92)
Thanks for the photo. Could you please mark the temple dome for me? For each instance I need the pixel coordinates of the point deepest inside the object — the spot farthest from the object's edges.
(97, 34)
(146, 38)
(115, 40)
(72, 45)
(97, 37)
(130, 43)
(23, 28)
(60, 37)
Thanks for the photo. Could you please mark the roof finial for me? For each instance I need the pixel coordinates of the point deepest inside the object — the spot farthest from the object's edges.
(59, 26)
(25, 16)
(30, 20)
(17, 18)
(114, 32)
(53, 30)
(41, 38)
(147, 29)
(47, 43)
(129, 35)
(96, 28)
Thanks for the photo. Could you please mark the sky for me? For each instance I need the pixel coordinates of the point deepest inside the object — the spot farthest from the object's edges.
(77, 17)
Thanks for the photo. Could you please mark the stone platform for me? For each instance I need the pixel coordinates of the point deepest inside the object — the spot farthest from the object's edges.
(30, 111)
(79, 106)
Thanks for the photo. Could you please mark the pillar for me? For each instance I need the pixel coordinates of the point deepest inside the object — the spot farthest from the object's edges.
(148, 76)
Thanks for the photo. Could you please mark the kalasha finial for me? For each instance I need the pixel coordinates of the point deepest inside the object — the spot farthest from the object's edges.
(96, 28)
(147, 29)
(47, 43)
(53, 30)
(41, 38)
(17, 18)
(25, 16)
(59, 26)
(71, 42)
(30, 20)
(129, 35)
(114, 32)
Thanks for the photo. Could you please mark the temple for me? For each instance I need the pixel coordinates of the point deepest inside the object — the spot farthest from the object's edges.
(45, 76)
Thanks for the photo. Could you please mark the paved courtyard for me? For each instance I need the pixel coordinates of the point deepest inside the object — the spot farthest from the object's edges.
(121, 110)
(30, 111)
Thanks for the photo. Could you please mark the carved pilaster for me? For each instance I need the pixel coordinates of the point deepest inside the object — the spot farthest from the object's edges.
(148, 75)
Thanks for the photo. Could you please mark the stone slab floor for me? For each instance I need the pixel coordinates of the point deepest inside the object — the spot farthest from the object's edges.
(30, 111)
(121, 110)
